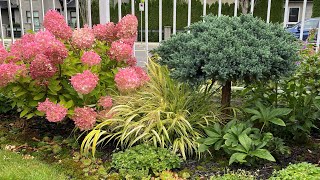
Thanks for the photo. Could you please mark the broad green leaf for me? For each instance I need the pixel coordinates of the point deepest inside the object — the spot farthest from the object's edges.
(277, 121)
(210, 141)
(245, 141)
(21, 93)
(203, 148)
(24, 112)
(263, 154)
(252, 111)
(69, 104)
(280, 112)
(33, 103)
(211, 133)
(237, 157)
(39, 96)
(16, 88)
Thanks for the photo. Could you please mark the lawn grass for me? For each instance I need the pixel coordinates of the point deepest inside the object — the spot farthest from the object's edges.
(14, 166)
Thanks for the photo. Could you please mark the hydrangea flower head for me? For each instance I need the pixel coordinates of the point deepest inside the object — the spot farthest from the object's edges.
(55, 23)
(84, 118)
(54, 112)
(127, 27)
(120, 51)
(25, 49)
(42, 68)
(130, 78)
(83, 38)
(90, 58)
(105, 32)
(9, 72)
(84, 82)
(105, 102)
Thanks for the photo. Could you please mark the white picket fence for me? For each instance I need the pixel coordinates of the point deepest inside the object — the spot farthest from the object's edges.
(104, 6)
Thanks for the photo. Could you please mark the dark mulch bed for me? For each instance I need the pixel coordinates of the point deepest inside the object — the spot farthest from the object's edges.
(203, 169)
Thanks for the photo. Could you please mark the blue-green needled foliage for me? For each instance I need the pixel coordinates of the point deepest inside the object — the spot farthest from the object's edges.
(227, 49)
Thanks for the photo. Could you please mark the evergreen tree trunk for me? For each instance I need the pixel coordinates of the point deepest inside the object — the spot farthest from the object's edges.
(226, 95)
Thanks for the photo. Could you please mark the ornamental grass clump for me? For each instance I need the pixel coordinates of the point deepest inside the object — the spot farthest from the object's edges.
(227, 49)
(64, 74)
(164, 113)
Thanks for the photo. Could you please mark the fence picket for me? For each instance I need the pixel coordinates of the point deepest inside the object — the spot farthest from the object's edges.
(10, 21)
(21, 18)
(1, 27)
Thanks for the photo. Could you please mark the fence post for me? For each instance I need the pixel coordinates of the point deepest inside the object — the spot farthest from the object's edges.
(189, 13)
(220, 8)
(252, 6)
(65, 10)
(160, 20)
(146, 28)
(77, 14)
(53, 4)
(303, 19)
(174, 16)
(286, 14)
(31, 12)
(42, 9)
(269, 11)
(89, 14)
(10, 20)
(21, 18)
(119, 10)
(318, 38)
(1, 27)
(204, 7)
(104, 6)
(235, 8)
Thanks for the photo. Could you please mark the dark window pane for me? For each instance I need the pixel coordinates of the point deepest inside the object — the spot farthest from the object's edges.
(294, 15)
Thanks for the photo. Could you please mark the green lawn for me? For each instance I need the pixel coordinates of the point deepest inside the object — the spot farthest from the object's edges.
(14, 166)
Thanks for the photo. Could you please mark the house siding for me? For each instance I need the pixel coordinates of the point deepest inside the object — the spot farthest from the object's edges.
(300, 6)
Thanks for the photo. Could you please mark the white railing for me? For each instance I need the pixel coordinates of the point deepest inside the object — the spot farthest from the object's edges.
(104, 6)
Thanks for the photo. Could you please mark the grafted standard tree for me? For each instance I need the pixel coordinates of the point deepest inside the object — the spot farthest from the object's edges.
(227, 49)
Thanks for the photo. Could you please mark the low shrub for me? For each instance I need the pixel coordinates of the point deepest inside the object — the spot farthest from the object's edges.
(5, 104)
(143, 160)
(234, 175)
(164, 114)
(305, 171)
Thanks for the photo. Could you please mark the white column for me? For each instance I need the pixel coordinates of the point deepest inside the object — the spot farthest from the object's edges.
(132, 7)
(220, 8)
(42, 9)
(31, 12)
(174, 16)
(189, 13)
(53, 4)
(10, 20)
(286, 14)
(21, 18)
(65, 10)
(318, 38)
(252, 6)
(1, 28)
(77, 14)
(235, 8)
(303, 18)
(160, 20)
(89, 14)
(146, 28)
(104, 12)
(204, 7)
(119, 10)
(269, 11)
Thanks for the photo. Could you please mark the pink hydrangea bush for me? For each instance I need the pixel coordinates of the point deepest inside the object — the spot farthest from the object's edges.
(66, 74)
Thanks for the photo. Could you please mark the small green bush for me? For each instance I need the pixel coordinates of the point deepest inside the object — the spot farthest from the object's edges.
(237, 175)
(305, 171)
(140, 161)
(5, 102)
(13, 166)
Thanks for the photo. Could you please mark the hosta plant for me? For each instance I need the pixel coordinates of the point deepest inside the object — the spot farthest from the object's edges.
(240, 140)
(59, 72)
(164, 113)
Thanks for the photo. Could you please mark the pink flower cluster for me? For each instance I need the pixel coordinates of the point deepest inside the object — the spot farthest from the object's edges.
(42, 42)
(105, 32)
(3, 54)
(54, 112)
(9, 72)
(90, 58)
(85, 82)
(105, 102)
(41, 67)
(84, 118)
(121, 51)
(55, 23)
(127, 29)
(83, 38)
(130, 78)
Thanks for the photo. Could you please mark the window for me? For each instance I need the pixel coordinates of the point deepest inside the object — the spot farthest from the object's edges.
(294, 14)
(73, 18)
(36, 19)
